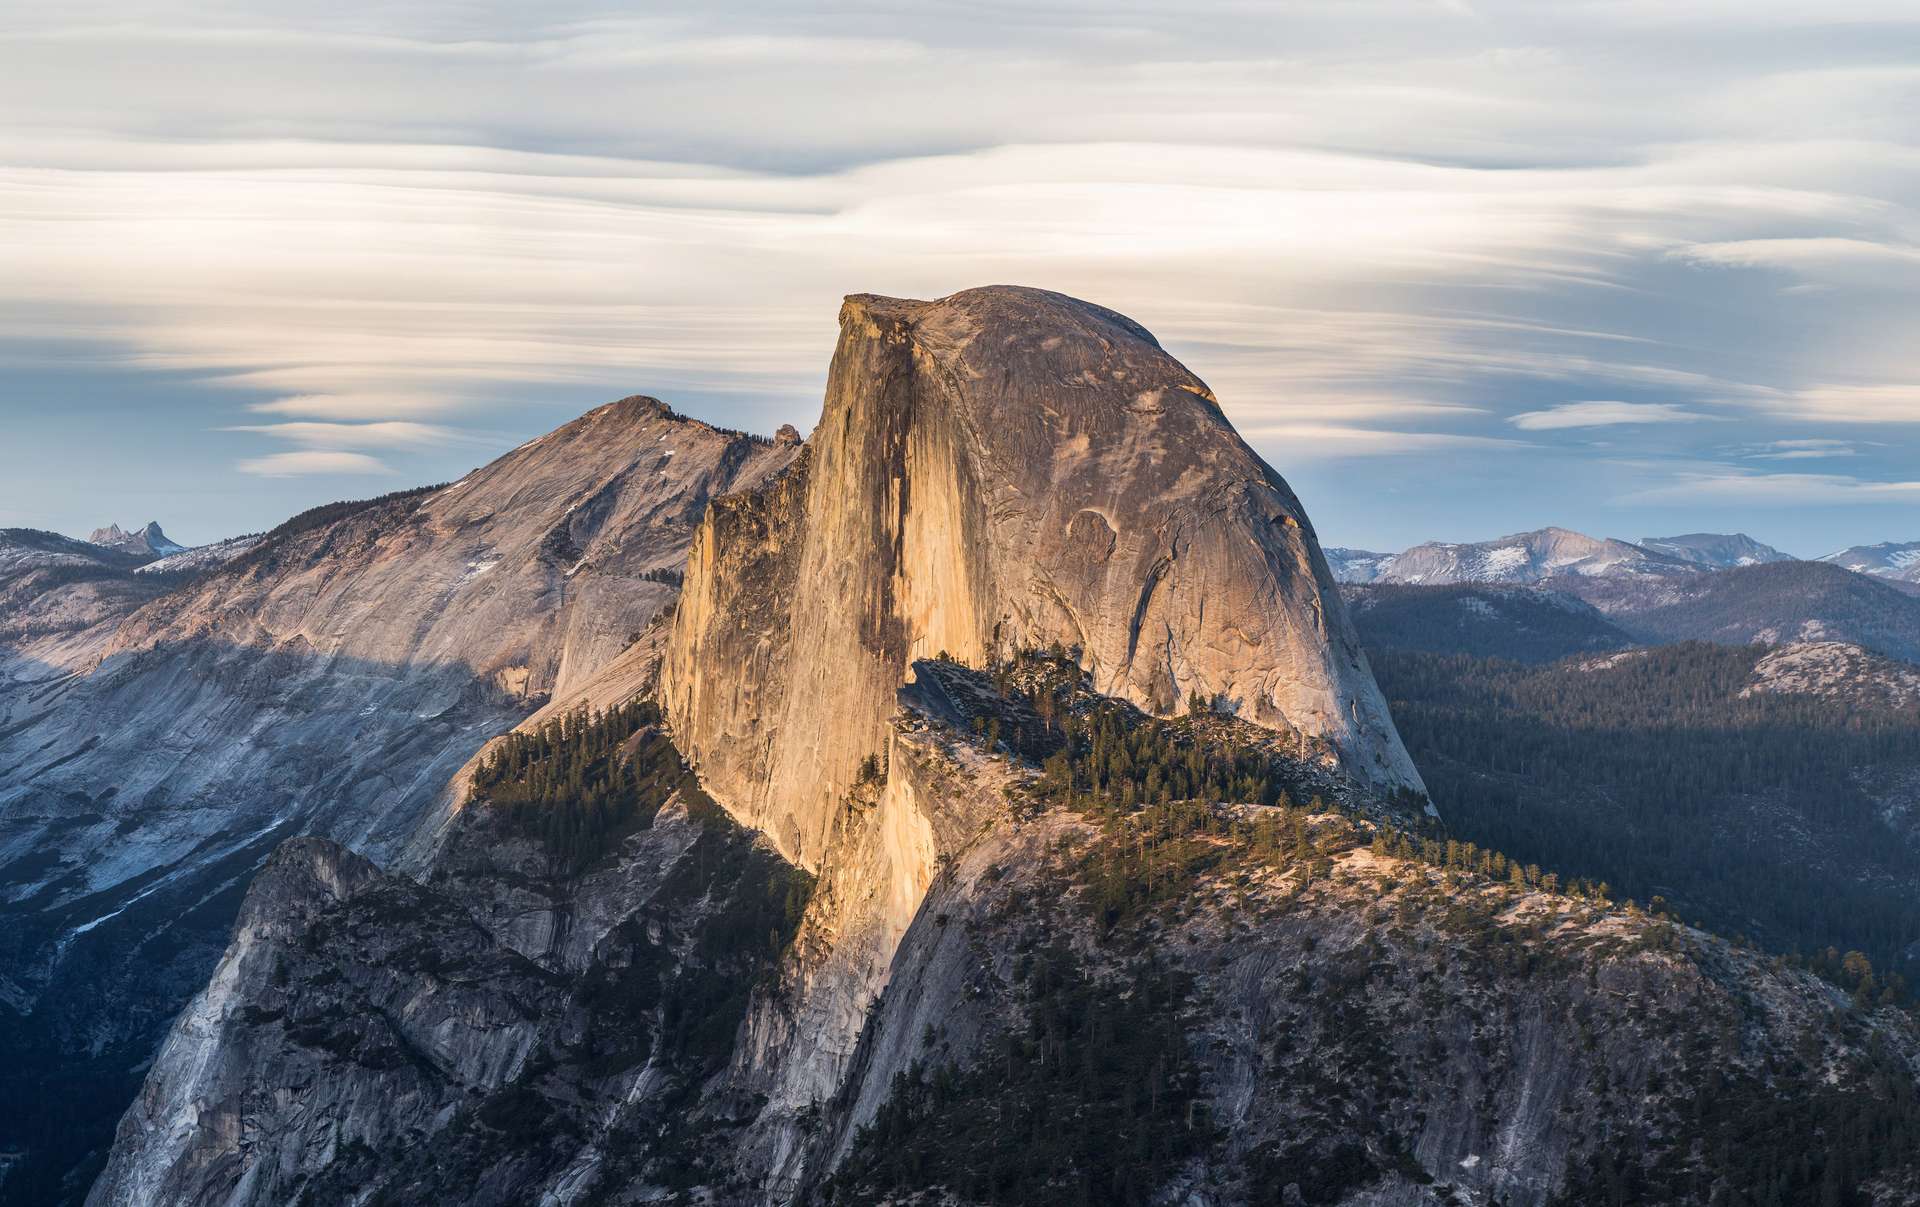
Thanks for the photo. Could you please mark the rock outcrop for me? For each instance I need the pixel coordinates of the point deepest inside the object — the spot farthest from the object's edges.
(1004, 468)
(149, 542)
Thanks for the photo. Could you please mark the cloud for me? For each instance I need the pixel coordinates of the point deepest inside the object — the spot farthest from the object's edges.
(1733, 485)
(356, 405)
(385, 434)
(1886, 403)
(1289, 440)
(312, 462)
(1799, 450)
(1826, 254)
(1603, 414)
(1358, 222)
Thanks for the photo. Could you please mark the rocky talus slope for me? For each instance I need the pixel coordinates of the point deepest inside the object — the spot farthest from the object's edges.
(945, 848)
(329, 680)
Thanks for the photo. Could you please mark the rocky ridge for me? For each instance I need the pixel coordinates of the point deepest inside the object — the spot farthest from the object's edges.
(1771, 604)
(1715, 550)
(1839, 671)
(330, 679)
(1898, 561)
(1523, 557)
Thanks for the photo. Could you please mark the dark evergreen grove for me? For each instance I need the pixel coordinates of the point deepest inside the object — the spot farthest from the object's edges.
(584, 779)
(1094, 1101)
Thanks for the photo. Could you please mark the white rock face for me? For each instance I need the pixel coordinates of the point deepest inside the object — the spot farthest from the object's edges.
(1356, 565)
(1003, 468)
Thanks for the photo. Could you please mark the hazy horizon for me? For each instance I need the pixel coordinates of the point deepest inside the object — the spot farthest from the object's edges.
(1455, 269)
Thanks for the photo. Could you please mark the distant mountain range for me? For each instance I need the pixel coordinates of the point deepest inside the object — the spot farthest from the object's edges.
(1771, 603)
(1545, 553)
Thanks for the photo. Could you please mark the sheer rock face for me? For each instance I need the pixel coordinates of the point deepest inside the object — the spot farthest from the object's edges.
(1003, 468)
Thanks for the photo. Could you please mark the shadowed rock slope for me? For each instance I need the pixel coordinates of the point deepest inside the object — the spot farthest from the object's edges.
(1003, 468)
(329, 680)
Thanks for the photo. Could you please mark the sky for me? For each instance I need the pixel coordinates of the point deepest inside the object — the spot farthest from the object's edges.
(1456, 269)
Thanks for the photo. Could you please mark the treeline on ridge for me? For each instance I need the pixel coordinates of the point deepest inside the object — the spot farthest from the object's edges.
(587, 778)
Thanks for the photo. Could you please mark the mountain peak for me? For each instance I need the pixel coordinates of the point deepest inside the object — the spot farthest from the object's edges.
(1898, 561)
(1715, 550)
(999, 470)
(144, 541)
(990, 305)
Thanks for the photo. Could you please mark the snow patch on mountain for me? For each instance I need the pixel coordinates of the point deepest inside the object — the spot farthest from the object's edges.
(1714, 550)
(1522, 557)
(203, 557)
(1897, 560)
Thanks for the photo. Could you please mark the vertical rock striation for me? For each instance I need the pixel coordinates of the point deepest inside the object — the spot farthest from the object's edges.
(1002, 468)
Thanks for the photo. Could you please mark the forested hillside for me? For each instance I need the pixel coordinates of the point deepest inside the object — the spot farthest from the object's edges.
(1527, 624)
(1786, 817)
